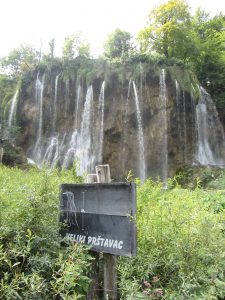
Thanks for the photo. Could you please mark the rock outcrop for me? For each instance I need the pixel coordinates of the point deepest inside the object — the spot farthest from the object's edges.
(148, 116)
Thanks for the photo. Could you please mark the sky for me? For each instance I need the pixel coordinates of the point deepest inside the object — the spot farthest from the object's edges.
(37, 22)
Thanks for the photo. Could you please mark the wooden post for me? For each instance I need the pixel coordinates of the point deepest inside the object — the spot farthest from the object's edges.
(94, 289)
(1, 154)
(91, 178)
(103, 173)
(110, 273)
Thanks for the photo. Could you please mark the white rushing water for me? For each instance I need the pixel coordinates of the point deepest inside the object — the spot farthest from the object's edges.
(125, 127)
(84, 150)
(211, 143)
(164, 150)
(80, 143)
(12, 110)
(101, 107)
(52, 153)
(54, 118)
(77, 106)
(39, 90)
(184, 126)
(142, 166)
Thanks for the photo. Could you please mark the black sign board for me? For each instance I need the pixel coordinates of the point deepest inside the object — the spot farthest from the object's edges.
(100, 215)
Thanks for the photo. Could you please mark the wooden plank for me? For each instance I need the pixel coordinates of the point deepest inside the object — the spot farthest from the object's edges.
(94, 290)
(110, 272)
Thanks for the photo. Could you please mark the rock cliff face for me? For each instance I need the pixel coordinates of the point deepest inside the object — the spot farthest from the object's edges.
(140, 118)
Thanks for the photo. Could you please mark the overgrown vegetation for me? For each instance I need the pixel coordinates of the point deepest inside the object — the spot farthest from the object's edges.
(181, 245)
(34, 261)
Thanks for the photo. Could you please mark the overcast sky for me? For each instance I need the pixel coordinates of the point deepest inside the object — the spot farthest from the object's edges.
(37, 22)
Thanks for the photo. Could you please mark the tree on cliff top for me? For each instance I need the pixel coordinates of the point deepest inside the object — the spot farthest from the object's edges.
(20, 60)
(118, 45)
(168, 31)
(75, 45)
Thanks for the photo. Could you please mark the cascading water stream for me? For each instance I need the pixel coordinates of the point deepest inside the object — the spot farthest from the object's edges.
(163, 101)
(142, 166)
(52, 153)
(125, 124)
(55, 104)
(193, 114)
(211, 142)
(84, 152)
(12, 111)
(80, 143)
(67, 99)
(101, 107)
(184, 126)
(179, 130)
(71, 152)
(77, 106)
(39, 88)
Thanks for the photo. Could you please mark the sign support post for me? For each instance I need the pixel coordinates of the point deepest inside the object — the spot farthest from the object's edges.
(94, 287)
(109, 260)
(101, 214)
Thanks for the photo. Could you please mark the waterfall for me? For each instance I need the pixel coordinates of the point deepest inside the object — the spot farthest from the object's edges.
(52, 153)
(71, 152)
(163, 100)
(39, 89)
(55, 104)
(184, 126)
(179, 128)
(67, 94)
(125, 129)
(142, 166)
(101, 134)
(193, 115)
(81, 142)
(77, 106)
(84, 151)
(12, 111)
(211, 142)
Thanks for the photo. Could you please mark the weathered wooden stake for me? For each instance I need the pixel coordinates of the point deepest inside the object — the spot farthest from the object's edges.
(91, 178)
(94, 288)
(110, 273)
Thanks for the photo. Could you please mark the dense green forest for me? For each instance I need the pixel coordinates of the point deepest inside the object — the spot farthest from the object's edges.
(181, 236)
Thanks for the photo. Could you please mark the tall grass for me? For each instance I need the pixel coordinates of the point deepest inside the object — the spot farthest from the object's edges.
(181, 245)
(34, 263)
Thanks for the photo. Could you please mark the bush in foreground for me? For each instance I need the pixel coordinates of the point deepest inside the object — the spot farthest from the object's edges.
(34, 262)
(181, 249)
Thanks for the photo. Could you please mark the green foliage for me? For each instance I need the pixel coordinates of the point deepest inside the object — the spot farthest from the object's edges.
(20, 60)
(75, 45)
(197, 41)
(168, 32)
(180, 242)
(118, 46)
(180, 246)
(34, 263)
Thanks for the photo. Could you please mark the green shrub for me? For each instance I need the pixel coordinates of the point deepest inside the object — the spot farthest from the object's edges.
(34, 261)
(181, 246)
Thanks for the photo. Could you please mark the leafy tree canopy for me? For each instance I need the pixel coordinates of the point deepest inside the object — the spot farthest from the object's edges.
(118, 45)
(167, 31)
(20, 59)
(75, 45)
